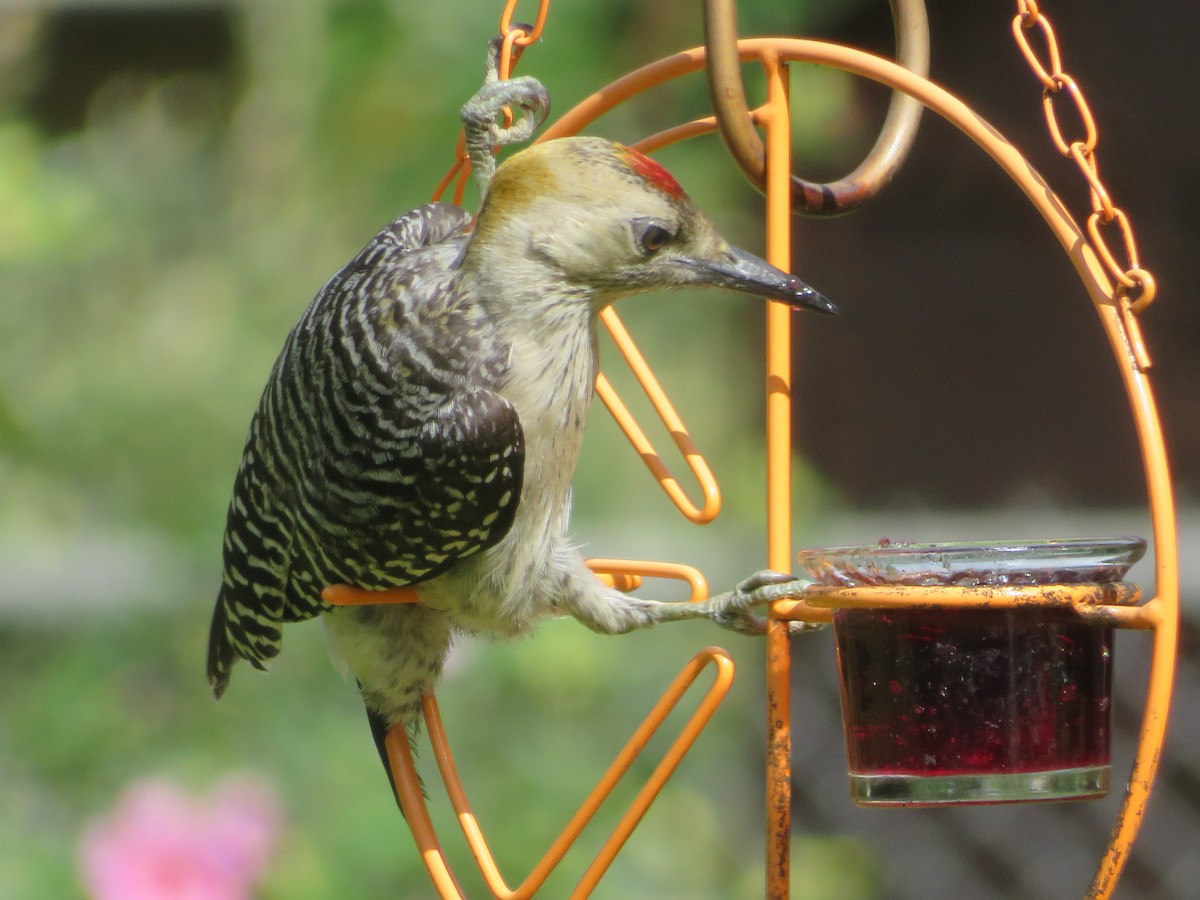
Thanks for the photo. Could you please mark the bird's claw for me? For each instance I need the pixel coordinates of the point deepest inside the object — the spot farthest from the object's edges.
(481, 115)
(735, 610)
(741, 621)
(749, 624)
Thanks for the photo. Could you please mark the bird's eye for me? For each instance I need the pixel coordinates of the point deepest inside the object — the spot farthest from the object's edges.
(652, 237)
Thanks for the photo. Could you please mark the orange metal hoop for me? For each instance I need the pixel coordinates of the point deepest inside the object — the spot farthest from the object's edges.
(1162, 611)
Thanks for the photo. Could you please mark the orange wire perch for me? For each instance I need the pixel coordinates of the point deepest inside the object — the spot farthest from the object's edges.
(1118, 293)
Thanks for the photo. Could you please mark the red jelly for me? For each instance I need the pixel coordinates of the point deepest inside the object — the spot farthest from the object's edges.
(974, 705)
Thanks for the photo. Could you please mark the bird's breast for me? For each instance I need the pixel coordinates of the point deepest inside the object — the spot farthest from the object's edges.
(550, 384)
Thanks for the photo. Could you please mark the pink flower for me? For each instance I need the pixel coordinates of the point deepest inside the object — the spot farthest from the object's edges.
(159, 843)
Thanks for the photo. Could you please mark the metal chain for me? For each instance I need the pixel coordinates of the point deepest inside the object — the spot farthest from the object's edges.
(1135, 286)
(517, 36)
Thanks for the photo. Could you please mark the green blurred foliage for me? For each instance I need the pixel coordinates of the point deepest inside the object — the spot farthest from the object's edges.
(150, 265)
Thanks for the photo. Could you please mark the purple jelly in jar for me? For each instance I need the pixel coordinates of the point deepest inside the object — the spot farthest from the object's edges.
(974, 705)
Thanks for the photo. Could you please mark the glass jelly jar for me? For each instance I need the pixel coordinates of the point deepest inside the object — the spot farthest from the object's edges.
(974, 705)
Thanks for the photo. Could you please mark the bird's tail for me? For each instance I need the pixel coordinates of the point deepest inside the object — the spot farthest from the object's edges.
(379, 731)
(406, 717)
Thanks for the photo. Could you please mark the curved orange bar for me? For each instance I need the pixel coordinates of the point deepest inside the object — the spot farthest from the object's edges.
(677, 134)
(416, 814)
(638, 569)
(413, 803)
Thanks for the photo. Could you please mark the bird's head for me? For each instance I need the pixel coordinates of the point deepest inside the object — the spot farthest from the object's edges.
(602, 216)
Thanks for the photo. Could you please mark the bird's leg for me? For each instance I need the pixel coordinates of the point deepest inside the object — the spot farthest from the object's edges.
(735, 609)
(480, 115)
(612, 612)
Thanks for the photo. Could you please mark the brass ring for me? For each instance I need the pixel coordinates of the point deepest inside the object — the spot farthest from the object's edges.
(737, 128)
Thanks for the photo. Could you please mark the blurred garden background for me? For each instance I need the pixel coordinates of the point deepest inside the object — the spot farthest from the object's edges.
(177, 179)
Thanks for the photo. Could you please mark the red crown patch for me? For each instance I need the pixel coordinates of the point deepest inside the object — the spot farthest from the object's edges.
(653, 172)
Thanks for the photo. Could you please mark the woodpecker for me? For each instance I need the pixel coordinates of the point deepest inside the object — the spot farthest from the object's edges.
(422, 423)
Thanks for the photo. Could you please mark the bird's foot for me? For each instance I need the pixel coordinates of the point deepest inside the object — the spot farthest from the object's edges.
(481, 113)
(485, 126)
(735, 609)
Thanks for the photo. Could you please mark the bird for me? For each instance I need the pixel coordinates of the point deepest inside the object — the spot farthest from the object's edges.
(422, 423)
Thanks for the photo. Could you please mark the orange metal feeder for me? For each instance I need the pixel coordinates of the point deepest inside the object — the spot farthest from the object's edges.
(1119, 291)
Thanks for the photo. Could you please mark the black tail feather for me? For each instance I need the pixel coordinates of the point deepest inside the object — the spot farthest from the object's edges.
(379, 731)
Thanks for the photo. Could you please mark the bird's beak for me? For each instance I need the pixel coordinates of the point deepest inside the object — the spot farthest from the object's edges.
(744, 271)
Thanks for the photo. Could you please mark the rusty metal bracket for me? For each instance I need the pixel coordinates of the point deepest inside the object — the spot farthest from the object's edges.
(737, 127)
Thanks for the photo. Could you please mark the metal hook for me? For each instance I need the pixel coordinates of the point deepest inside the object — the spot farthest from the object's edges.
(737, 127)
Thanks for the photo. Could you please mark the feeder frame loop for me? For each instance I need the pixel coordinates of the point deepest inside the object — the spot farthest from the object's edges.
(710, 491)
(632, 571)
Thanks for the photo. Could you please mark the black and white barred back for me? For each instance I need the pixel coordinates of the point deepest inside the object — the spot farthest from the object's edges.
(380, 454)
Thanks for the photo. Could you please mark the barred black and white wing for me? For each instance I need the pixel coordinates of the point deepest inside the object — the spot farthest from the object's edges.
(379, 455)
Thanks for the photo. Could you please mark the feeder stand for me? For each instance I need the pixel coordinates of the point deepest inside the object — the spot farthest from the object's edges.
(1119, 291)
